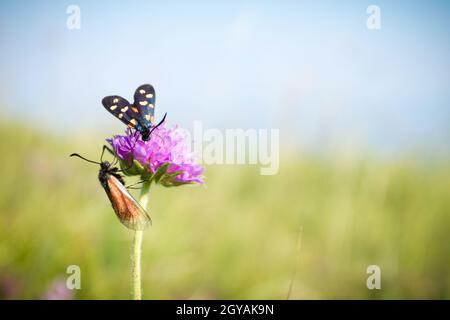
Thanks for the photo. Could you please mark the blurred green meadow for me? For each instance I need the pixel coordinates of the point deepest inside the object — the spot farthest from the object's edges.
(317, 225)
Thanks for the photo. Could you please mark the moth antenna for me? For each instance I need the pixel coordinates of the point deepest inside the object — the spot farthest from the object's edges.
(160, 123)
(77, 155)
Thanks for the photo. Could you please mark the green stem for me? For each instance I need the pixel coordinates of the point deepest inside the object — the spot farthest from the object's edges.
(137, 248)
(136, 265)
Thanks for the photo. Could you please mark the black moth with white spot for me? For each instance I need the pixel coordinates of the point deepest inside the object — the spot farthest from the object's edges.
(140, 115)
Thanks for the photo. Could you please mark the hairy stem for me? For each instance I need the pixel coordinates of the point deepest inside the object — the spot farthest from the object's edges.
(137, 248)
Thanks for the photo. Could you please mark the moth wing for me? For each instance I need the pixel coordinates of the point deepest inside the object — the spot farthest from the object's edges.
(144, 101)
(123, 110)
(128, 210)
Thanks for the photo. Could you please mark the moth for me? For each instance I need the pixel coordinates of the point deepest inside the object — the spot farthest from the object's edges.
(127, 209)
(139, 115)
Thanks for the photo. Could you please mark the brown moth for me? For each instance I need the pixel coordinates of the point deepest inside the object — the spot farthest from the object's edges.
(127, 209)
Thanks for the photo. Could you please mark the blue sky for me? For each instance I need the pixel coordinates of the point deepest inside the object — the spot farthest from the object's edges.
(312, 69)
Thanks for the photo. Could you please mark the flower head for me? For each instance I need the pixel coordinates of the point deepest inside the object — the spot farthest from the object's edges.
(165, 158)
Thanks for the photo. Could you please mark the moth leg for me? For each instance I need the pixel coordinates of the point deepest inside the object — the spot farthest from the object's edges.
(109, 149)
(131, 186)
(116, 159)
(105, 147)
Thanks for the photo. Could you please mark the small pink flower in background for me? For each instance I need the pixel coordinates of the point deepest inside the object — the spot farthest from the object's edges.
(10, 286)
(166, 156)
(58, 291)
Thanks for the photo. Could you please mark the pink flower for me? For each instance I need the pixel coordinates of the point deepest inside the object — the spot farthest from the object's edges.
(166, 155)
